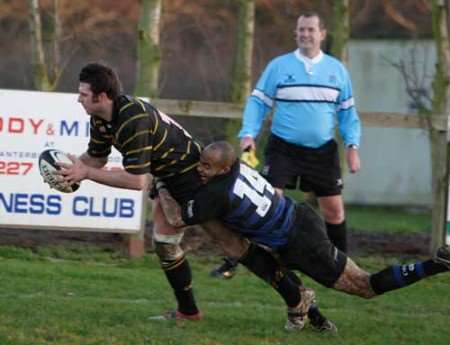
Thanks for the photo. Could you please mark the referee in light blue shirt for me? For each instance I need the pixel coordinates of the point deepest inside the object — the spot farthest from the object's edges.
(310, 93)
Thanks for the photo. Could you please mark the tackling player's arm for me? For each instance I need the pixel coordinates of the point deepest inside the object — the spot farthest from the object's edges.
(205, 206)
(171, 208)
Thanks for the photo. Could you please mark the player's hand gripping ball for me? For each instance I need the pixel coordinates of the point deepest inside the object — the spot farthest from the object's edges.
(48, 166)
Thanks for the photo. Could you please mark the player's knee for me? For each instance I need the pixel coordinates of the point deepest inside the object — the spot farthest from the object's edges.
(168, 252)
(167, 247)
(355, 281)
(362, 284)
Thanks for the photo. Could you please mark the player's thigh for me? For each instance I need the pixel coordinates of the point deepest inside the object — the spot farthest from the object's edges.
(309, 249)
(233, 244)
(160, 224)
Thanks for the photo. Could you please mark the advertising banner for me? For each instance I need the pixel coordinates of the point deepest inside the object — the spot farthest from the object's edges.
(31, 122)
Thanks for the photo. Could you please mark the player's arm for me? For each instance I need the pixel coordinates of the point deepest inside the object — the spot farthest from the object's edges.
(204, 206)
(95, 162)
(87, 167)
(171, 208)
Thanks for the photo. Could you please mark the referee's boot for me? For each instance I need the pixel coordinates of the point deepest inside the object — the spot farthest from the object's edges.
(442, 256)
(226, 270)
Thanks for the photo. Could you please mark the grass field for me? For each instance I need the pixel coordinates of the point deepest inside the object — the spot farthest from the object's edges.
(394, 220)
(88, 296)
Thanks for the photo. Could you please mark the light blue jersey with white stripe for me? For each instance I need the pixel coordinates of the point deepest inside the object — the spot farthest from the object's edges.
(309, 98)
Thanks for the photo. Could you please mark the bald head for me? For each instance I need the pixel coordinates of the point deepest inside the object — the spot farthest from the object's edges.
(223, 152)
(216, 159)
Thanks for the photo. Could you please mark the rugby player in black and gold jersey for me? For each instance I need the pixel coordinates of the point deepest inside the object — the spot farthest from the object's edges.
(152, 144)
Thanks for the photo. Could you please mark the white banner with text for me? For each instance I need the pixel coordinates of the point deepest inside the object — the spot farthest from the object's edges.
(31, 122)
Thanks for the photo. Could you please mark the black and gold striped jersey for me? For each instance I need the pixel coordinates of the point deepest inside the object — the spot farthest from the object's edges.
(149, 141)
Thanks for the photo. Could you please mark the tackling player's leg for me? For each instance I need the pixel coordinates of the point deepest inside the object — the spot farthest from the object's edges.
(355, 281)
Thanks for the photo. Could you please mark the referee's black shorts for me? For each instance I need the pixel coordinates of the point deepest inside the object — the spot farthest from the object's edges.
(309, 249)
(311, 169)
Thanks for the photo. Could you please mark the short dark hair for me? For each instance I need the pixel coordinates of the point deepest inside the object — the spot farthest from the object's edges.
(101, 78)
(309, 14)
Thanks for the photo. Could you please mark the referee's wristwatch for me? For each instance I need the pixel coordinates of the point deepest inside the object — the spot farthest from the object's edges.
(352, 146)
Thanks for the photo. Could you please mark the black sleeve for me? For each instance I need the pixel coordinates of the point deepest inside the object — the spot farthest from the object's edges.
(207, 204)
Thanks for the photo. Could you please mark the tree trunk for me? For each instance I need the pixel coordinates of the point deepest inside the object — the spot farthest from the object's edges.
(40, 77)
(46, 64)
(438, 139)
(341, 30)
(340, 36)
(242, 63)
(149, 55)
(241, 81)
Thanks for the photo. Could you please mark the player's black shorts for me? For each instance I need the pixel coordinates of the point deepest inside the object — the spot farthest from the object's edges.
(182, 187)
(317, 169)
(309, 249)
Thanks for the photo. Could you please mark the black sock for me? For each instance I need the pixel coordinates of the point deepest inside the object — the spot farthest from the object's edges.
(337, 233)
(264, 265)
(178, 273)
(315, 316)
(294, 278)
(398, 276)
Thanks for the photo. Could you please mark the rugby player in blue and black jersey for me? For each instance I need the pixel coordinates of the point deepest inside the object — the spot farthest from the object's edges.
(294, 233)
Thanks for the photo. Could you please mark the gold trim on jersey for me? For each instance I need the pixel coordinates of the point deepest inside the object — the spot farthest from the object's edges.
(164, 155)
(96, 141)
(188, 151)
(199, 148)
(188, 168)
(156, 123)
(138, 116)
(162, 140)
(137, 166)
(125, 106)
(140, 103)
(147, 131)
(147, 148)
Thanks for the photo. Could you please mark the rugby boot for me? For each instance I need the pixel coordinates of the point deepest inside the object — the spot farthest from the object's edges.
(442, 256)
(227, 270)
(319, 322)
(297, 316)
(175, 315)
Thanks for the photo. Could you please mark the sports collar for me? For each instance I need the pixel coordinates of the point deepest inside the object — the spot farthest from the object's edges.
(316, 59)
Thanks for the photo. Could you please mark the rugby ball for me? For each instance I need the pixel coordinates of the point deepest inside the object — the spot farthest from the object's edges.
(48, 166)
